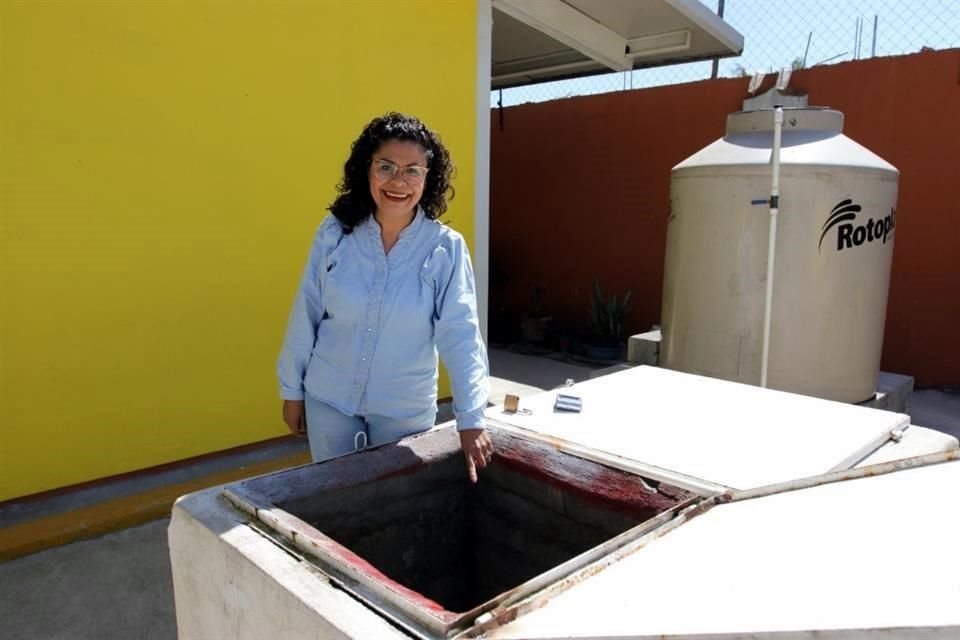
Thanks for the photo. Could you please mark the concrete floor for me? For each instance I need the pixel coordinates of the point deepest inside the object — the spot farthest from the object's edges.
(523, 374)
(935, 409)
(119, 586)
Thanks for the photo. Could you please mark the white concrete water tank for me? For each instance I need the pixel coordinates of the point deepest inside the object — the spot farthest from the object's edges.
(834, 249)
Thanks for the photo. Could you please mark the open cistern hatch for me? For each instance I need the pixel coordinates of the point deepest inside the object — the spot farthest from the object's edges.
(402, 528)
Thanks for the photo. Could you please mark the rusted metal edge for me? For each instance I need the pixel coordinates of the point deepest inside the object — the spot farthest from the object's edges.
(307, 539)
(643, 535)
(881, 468)
(679, 480)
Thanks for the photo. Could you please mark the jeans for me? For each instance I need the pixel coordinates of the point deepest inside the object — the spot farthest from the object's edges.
(332, 433)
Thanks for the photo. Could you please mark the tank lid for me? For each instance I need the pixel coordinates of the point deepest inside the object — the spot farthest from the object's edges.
(794, 119)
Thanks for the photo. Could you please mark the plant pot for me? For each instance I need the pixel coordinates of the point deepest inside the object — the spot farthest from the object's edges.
(602, 352)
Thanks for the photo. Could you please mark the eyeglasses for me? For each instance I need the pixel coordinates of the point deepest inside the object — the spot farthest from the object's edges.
(386, 170)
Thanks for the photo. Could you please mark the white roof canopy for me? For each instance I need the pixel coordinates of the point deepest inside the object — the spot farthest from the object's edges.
(538, 40)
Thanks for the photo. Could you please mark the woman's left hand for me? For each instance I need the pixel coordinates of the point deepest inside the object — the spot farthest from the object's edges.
(477, 449)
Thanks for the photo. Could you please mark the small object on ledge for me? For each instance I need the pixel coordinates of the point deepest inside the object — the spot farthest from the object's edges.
(511, 404)
(568, 403)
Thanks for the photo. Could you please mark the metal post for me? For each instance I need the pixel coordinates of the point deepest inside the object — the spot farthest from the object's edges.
(860, 39)
(500, 107)
(856, 38)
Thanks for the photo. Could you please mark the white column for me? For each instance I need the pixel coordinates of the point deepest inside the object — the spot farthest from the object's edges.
(481, 200)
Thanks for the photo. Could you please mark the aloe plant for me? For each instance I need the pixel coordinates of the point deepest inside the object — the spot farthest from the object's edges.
(607, 316)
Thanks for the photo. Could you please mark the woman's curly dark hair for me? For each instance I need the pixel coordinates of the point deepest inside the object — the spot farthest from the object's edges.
(354, 204)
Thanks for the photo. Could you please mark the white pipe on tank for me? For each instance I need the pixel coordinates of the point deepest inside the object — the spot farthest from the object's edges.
(772, 243)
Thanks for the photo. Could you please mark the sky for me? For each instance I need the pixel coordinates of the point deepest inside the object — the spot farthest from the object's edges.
(775, 34)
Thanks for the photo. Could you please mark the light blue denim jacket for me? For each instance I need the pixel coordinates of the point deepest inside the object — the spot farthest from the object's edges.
(366, 327)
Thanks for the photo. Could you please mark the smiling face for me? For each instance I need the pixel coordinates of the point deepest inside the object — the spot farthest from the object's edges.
(397, 197)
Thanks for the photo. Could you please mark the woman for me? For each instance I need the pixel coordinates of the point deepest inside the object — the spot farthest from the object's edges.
(386, 287)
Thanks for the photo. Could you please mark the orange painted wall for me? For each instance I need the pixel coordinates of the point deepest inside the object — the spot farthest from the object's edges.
(580, 190)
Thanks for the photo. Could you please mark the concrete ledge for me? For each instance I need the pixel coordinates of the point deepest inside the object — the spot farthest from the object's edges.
(111, 514)
(893, 391)
(644, 348)
(229, 581)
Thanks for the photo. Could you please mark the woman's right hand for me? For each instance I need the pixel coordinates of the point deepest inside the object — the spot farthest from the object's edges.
(295, 416)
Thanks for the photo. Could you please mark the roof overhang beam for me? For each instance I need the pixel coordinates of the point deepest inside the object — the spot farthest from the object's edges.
(565, 24)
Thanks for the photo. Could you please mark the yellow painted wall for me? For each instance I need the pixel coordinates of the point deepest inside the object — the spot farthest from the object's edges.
(163, 167)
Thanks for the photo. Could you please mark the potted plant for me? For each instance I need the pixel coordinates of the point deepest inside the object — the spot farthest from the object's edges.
(606, 325)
